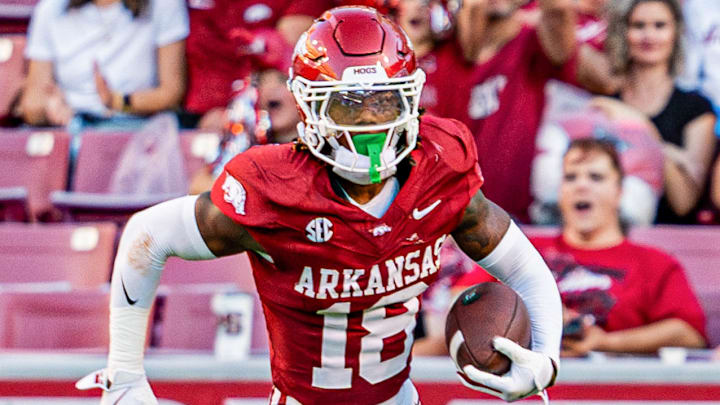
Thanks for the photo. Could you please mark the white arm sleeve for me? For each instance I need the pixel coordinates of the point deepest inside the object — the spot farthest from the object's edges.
(149, 238)
(517, 263)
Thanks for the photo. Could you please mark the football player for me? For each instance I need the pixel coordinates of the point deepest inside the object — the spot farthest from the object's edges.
(343, 229)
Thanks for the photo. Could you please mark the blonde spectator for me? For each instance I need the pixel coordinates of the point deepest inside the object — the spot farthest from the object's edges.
(645, 43)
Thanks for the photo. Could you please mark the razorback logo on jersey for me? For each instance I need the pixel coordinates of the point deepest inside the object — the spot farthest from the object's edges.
(234, 194)
(393, 274)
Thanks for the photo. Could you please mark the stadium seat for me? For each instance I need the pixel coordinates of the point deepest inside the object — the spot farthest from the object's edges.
(54, 320)
(100, 154)
(90, 198)
(186, 320)
(77, 256)
(13, 204)
(696, 247)
(36, 160)
(12, 70)
(17, 9)
(97, 159)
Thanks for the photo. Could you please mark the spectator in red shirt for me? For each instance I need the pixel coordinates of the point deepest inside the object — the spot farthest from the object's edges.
(229, 39)
(274, 110)
(591, 26)
(429, 26)
(503, 98)
(623, 297)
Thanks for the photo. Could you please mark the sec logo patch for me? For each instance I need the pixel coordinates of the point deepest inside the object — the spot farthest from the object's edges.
(319, 230)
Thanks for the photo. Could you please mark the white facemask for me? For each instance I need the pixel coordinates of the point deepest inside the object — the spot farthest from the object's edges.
(346, 157)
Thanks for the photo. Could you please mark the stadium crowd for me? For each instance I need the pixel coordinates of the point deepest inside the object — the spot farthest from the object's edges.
(592, 116)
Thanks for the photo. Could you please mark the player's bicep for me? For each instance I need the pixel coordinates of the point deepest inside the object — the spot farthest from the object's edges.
(222, 235)
(481, 228)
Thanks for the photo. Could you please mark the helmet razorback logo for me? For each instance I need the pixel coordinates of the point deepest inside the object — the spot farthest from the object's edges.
(319, 230)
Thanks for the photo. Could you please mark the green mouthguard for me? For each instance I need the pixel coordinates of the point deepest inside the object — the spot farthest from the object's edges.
(371, 145)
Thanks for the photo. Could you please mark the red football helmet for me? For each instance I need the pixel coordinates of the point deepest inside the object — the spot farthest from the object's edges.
(352, 59)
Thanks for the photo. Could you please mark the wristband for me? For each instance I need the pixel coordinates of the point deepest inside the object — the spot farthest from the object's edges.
(126, 103)
(555, 373)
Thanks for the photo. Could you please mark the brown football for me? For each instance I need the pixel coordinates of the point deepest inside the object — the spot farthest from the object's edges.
(480, 313)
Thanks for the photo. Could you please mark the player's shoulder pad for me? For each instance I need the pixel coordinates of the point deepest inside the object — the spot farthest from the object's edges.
(450, 140)
(260, 162)
(280, 173)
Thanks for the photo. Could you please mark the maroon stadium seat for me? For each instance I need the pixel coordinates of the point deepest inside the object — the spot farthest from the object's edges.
(12, 71)
(696, 247)
(90, 199)
(98, 159)
(36, 160)
(186, 320)
(100, 153)
(78, 256)
(17, 9)
(54, 320)
(14, 204)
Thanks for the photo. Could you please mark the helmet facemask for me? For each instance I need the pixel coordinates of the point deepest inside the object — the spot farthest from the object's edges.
(335, 129)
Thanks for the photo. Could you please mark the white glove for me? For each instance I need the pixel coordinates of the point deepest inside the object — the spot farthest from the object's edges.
(530, 373)
(127, 388)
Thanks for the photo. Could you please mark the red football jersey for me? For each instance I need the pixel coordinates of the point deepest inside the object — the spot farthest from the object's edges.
(502, 102)
(591, 30)
(341, 288)
(624, 286)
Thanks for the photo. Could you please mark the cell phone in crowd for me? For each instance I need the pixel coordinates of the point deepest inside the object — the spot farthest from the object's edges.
(575, 328)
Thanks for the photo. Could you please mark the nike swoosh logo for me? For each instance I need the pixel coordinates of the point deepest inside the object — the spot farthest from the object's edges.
(420, 214)
(127, 297)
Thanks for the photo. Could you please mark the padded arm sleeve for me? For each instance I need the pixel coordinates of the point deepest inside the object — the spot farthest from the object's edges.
(517, 263)
(150, 237)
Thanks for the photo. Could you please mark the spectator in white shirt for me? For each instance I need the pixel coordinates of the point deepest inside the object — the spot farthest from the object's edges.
(104, 59)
